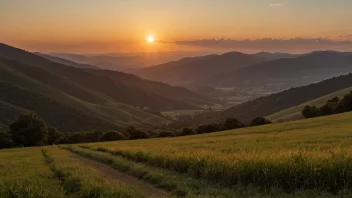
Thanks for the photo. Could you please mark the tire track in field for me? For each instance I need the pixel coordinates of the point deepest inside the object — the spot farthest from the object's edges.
(112, 173)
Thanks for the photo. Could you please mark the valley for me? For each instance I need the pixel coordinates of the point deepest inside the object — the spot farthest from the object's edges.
(176, 99)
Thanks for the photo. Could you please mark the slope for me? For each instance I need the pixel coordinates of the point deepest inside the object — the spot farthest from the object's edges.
(65, 61)
(294, 113)
(188, 70)
(107, 84)
(287, 72)
(267, 105)
(118, 115)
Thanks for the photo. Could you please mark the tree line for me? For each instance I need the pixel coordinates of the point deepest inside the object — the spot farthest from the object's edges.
(31, 130)
(332, 106)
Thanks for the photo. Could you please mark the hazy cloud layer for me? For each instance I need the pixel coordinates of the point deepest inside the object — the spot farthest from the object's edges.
(270, 44)
(276, 4)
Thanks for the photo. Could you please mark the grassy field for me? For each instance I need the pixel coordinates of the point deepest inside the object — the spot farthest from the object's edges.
(306, 158)
(294, 113)
(312, 154)
(53, 172)
(24, 173)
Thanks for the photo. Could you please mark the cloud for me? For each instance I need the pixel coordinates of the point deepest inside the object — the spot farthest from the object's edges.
(271, 44)
(276, 4)
(345, 36)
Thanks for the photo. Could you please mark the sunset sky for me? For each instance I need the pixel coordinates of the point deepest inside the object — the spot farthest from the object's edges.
(123, 25)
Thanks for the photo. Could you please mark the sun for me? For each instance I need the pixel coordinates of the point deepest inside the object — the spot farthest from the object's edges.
(150, 39)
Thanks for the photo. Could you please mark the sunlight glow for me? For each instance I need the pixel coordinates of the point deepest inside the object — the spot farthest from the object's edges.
(150, 39)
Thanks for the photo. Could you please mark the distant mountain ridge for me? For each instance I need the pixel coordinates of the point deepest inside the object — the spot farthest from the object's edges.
(274, 56)
(125, 62)
(65, 61)
(286, 72)
(188, 70)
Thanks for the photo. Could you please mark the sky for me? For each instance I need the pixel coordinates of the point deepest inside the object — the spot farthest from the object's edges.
(92, 26)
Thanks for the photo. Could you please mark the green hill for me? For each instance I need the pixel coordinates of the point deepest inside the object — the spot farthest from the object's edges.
(267, 105)
(294, 113)
(72, 114)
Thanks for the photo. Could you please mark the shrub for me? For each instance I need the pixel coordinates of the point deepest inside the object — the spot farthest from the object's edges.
(260, 121)
(92, 136)
(29, 130)
(187, 131)
(5, 140)
(54, 135)
(135, 133)
(345, 104)
(310, 112)
(208, 128)
(112, 136)
(231, 123)
(166, 134)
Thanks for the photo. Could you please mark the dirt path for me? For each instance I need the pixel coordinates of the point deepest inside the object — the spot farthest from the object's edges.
(112, 173)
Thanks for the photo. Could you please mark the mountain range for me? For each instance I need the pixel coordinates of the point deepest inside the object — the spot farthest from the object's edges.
(74, 99)
(193, 69)
(271, 71)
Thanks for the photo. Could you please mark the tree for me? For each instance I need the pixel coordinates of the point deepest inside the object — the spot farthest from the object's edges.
(330, 107)
(231, 123)
(112, 136)
(135, 133)
(54, 135)
(166, 134)
(92, 136)
(260, 121)
(345, 104)
(187, 131)
(326, 109)
(5, 140)
(310, 112)
(29, 130)
(208, 128)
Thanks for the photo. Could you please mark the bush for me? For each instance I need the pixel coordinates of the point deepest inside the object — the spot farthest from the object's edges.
(5, 140)
(187, 131)
(71, 138)
(112, 136)
(29, 130)
(135, 133)
(208, 128)
(345, 104)
(231, 123)
(260, 121)
(92, 136)
(310, 112)
(166, 134)
(54, 135)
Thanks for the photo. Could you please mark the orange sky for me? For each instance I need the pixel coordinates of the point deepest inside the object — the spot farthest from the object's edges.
(122, 25)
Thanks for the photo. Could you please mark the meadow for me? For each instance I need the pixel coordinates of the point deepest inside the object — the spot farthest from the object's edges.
(295, 113)
(313, 154)
(306, 158)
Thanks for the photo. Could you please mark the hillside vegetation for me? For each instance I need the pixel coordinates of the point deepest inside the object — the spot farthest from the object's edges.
(268, 105)
(26, 93)
(312, 154)
(295, 113)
